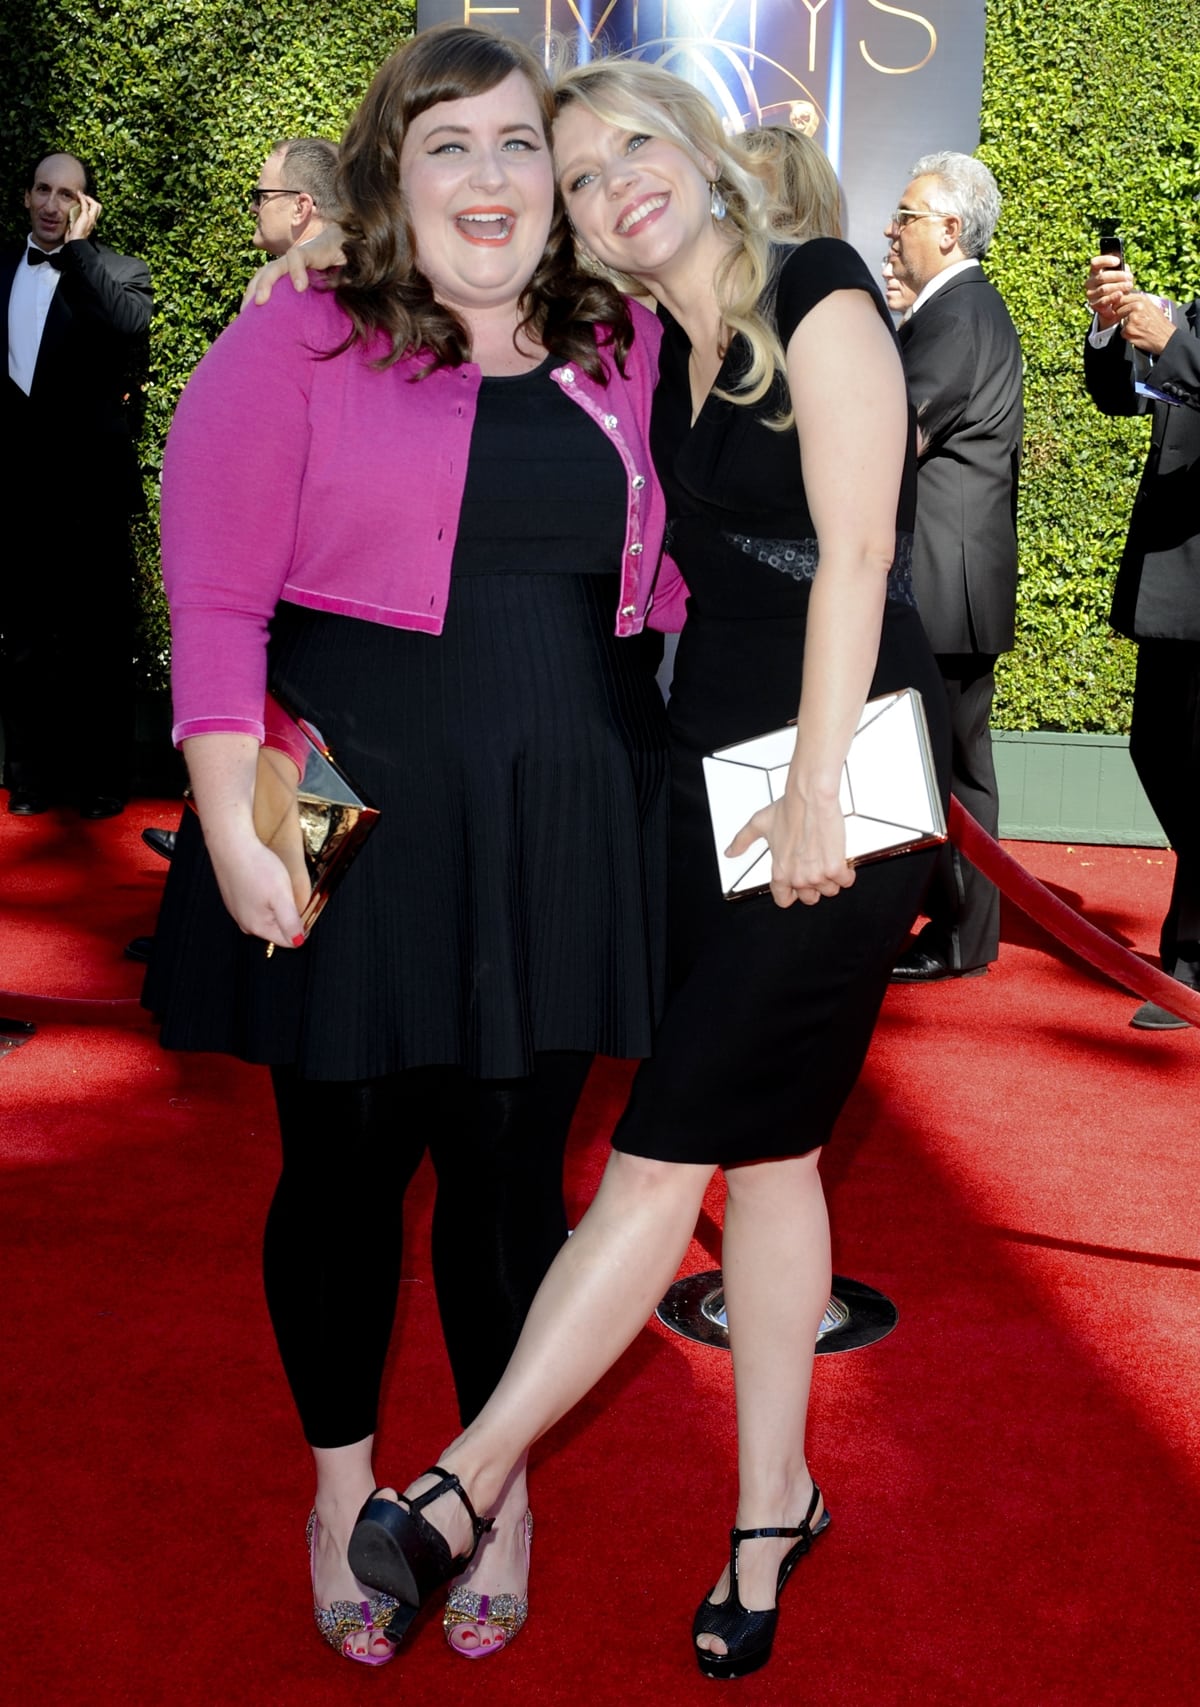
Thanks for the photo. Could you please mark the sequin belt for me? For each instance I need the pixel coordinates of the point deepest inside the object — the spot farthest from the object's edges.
(799, 557)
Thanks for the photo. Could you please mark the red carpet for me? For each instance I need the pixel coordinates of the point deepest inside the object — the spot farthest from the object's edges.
(1014, 1473)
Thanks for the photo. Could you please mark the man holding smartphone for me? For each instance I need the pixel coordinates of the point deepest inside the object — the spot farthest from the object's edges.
(77, 316)
(1141, 355)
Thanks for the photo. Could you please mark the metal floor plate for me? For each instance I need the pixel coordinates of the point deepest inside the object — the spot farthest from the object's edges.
(857, 1315)
(14, 1032)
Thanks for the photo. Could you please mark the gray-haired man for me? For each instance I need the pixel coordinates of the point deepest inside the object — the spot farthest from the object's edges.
(962, 361)
(296, 193)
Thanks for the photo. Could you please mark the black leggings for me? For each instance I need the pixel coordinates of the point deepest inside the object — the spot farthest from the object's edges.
(332, 1246)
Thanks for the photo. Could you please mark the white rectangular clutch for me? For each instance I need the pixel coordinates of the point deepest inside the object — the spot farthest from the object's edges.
(889, 791)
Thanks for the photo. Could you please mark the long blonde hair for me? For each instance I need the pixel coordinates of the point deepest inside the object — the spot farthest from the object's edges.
(804, 196)
(635, 96)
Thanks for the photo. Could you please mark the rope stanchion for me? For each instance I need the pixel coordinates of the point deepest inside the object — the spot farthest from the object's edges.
(1064, 923)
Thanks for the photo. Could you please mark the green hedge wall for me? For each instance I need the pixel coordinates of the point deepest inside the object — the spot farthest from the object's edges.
(1088, 111)
(175, 103)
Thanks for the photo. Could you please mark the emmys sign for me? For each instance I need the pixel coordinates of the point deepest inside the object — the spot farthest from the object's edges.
(877, 84)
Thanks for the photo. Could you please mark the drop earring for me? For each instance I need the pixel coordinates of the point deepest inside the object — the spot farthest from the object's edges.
(716, 202)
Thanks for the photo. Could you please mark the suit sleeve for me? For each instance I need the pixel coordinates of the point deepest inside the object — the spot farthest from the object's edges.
(940, 362)
(110, 290)
(1176, 373)
(1108, 375)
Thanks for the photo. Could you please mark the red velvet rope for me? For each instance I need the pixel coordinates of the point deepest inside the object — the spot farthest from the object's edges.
(1022, 889)
(1064, 923)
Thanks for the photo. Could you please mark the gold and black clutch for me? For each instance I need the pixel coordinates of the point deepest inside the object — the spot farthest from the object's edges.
(306, 809)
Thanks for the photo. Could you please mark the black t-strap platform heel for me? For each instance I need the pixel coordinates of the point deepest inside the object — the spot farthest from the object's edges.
(398, 1551)
(749, 1636)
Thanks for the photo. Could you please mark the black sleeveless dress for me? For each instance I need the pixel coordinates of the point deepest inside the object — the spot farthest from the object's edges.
(511, 899)
(771, 1010)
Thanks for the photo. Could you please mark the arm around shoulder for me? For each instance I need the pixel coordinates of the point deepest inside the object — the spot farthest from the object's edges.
(111, 289)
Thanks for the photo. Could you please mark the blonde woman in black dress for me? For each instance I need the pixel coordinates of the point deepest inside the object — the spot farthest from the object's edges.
(782, 434)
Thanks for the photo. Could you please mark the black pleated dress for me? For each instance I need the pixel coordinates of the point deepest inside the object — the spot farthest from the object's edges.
(511, 899)
(771, 1010)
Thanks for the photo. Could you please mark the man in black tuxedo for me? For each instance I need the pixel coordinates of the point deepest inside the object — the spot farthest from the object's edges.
(962, 362)
(1143, 354)
(78, 315)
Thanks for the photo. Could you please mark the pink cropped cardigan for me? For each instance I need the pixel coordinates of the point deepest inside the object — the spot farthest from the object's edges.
(336, 485)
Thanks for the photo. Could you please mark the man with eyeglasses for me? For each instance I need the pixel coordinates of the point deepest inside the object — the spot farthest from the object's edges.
(962, 362)
(77, 316)
(296, 193)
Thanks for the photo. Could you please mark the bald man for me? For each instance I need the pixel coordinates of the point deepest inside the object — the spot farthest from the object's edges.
(77, 314)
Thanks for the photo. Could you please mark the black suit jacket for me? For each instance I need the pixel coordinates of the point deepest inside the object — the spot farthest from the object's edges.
(962, 362)
(78, 416)
(1157, 595)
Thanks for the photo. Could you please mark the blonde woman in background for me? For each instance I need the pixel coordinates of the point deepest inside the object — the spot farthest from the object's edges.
(804, 198)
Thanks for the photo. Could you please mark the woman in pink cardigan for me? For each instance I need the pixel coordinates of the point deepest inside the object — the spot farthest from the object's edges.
(418, 505)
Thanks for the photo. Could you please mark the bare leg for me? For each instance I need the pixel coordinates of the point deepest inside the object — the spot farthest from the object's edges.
(344, 1480)
(599, 1292)
(776, 1269)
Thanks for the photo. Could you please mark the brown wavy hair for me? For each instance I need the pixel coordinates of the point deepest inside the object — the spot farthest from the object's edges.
(381, 287)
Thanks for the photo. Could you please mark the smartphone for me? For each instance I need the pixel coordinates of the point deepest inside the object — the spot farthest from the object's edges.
(1110, 241)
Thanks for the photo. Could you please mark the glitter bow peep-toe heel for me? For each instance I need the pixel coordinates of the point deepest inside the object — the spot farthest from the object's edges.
(470, 1616)
(345, 1618)
(749, 1636)
(398, 1551)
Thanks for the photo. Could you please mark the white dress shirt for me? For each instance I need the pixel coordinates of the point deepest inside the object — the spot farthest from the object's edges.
(29, 302)
(939, 279)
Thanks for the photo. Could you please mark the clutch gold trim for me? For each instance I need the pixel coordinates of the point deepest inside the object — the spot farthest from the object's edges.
(306, 809)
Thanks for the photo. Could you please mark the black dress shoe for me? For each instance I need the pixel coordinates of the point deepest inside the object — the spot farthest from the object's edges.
(139, 949)
(101, 806)
(24, 803)
(161, 842)
(919, 966)
(1150, 1017)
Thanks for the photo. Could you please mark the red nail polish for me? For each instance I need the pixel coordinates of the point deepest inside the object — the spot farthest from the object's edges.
(298, 941)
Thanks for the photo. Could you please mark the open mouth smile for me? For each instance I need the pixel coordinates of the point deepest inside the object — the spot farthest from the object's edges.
(635, 216)
(487, 225)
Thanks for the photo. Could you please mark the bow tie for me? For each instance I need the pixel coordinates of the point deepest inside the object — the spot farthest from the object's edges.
(35, 257)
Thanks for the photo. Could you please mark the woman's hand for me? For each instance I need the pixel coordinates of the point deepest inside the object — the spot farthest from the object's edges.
(807, 839)
(315, 253)
(259, 893)
(262, 894)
